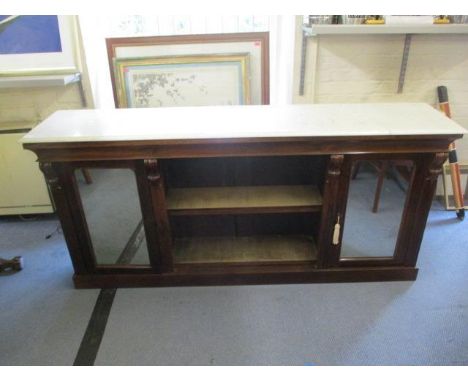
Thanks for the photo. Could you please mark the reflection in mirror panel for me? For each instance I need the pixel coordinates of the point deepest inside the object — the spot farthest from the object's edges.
(113, 215)
(372, 221)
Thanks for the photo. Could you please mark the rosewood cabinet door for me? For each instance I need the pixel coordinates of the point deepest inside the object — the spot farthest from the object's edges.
(375, 193)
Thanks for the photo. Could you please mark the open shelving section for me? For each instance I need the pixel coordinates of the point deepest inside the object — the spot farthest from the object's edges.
(244, 210)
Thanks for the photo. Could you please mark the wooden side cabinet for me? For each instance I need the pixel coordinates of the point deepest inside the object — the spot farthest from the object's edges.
(231, 220)
(23, 188)
(242, 202)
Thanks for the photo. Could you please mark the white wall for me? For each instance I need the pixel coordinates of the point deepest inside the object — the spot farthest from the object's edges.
(365, 68)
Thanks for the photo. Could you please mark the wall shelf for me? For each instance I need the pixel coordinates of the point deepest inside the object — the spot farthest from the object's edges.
(383, 29)
(328, 29)
(39, 81)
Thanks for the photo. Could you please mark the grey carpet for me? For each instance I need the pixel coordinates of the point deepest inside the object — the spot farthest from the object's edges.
(399, 323)
(42, 318)
(425, 322)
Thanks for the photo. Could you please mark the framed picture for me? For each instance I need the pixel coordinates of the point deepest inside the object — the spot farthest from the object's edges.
(256, 45)
(35, 45)
(197, 80)
(447, 183)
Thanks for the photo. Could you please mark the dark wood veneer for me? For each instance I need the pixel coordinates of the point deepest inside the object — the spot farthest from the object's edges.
(247, 277)
(102, 151)
(330, 172)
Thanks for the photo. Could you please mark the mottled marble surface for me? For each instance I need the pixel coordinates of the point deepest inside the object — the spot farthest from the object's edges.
(215, 122)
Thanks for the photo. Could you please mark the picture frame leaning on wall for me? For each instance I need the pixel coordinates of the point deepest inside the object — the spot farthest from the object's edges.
(33, 45)
(191, 80)
(255, 44)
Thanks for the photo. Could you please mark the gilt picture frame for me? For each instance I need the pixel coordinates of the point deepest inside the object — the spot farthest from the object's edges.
(49, 45)
(193, 80)
(256, 44)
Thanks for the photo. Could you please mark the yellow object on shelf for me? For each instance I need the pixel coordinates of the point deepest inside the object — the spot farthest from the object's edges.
(441, 20)
(375, 22)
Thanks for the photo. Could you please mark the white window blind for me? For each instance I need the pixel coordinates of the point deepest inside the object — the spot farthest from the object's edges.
(175, 25)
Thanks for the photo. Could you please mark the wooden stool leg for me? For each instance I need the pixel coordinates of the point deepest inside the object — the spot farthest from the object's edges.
(378, 190)
(355, 170)
(87, 176)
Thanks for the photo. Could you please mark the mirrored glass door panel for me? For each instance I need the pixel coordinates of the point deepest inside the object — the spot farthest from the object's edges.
(113, 215)
(376, 199)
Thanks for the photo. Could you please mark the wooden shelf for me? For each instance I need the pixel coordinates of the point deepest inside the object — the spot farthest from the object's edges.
(328, 29)
(238, 200)
(244, 249)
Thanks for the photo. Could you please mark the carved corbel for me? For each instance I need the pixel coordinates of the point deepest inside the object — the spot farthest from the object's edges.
(51, 176)
(435, 167)
(153, 173)
(335, 164)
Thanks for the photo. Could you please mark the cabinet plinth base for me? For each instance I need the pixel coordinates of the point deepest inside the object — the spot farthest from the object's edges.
(294, 274)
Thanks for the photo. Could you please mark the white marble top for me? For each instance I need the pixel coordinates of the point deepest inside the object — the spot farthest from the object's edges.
(214, 122)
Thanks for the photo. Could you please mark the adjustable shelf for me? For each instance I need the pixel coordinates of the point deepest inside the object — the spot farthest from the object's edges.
(228, 249)
(243, 200)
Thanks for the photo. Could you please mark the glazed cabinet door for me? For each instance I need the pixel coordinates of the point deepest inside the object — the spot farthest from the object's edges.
(113, 215)
(381, 204)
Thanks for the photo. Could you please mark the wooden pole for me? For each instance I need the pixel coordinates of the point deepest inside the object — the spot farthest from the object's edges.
(454, 167)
